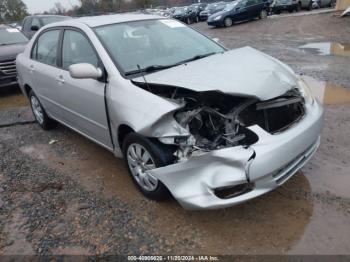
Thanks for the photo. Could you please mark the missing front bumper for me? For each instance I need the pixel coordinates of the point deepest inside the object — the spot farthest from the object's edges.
(258, 169)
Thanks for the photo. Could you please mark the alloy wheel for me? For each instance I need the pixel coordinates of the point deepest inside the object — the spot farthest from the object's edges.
(263, 14)
(37, 110)
(140, 162)
(228, 22)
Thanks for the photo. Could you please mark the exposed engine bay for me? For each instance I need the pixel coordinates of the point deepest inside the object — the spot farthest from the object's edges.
(217, 120)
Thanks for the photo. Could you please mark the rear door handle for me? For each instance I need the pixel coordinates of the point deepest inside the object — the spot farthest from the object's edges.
(60, 79)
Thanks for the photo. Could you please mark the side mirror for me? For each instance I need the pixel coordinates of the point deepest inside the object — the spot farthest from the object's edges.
(84, 71)
(34, 28)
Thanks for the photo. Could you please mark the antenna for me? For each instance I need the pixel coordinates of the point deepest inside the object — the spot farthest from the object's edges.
(144, 78)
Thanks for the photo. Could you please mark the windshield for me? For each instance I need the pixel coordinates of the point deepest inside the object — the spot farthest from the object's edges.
(141, 44)
(9, 36)
(180, 10)
(53, 19)
(230, 6)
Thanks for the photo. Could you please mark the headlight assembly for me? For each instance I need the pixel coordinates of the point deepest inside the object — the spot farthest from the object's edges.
(305, 90)
(217, 18)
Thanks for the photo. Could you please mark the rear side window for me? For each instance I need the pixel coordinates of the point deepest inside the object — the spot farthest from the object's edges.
(45, 50)
(77, 49)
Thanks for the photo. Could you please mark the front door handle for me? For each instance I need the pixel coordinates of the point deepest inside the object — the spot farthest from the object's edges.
(60, 79)
(31, 68)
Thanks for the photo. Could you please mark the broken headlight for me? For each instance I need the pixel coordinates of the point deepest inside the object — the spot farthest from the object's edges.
(305, 91)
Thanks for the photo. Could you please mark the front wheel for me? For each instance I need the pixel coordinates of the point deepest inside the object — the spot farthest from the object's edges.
(142, 155)
(228, 22)
(263, 14)
(39, 112)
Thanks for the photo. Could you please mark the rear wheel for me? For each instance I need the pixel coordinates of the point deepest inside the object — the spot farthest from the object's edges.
(142, 155)
(39, 113)
(263, 14)
(228, 22)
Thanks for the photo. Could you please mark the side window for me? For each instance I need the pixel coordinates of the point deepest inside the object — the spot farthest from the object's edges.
(45, 50)
(35, 22)
(27, 24)
(77, 49)
(250, 2)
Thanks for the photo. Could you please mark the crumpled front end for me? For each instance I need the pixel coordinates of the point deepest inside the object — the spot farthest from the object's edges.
(229, 149)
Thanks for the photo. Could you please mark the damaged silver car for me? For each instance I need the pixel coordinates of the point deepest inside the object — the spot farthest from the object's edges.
(209, 126)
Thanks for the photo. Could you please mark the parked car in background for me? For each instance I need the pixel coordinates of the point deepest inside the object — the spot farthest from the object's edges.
(213, 127)
(12, 42)
(277, 6)
(197, 8)
(312, 4)
(239, 10)
(17, 25)
(211, 9)
(31, 24)
(185, 15)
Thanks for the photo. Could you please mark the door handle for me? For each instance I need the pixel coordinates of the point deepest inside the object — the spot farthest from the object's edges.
(60, 79)
(31, 69)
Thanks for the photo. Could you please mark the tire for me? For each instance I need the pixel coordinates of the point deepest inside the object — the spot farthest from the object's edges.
(309, 8)
(188, 20)
(263, 14)
(228, 22)
(39, 113)
(159, 155)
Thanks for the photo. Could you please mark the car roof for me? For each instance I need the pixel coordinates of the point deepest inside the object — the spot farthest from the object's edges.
(47, 16)
(95, 21)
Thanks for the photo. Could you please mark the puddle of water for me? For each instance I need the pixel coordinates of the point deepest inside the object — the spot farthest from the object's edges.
(329, 48)
(13, 100)
(328, 93)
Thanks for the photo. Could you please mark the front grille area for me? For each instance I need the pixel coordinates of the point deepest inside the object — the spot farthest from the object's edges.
(8, 67)
(277, 114)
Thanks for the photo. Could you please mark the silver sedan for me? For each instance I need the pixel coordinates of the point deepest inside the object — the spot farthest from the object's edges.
(212, 127)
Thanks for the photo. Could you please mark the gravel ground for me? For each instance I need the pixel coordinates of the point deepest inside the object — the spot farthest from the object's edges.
(61, 194)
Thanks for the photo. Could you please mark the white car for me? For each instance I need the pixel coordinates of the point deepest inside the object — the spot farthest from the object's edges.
(209, 126)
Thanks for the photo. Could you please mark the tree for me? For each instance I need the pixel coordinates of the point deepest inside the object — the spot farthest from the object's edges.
(58, 9)
(12, 10)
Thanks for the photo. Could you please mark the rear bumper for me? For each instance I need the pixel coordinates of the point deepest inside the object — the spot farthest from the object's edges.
(265, 165)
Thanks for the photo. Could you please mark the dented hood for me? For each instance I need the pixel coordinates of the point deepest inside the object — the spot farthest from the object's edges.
(243, 72)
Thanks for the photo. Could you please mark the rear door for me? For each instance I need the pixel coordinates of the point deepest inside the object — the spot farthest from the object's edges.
(82, 100)
(254, 7)
(43, 68)
(241, 12)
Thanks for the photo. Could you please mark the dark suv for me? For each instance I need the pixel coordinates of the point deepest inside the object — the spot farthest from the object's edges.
(33, 23)
(239, 10)
(12, 42)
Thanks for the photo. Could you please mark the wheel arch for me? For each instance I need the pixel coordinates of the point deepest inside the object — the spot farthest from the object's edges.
(27, 89)
(122, 132)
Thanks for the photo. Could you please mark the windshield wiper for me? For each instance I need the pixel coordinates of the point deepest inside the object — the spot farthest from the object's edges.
(196, 57)
(154, 68)
(148, 69)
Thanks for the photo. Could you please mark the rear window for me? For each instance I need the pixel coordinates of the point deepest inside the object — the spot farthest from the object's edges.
(10, 36)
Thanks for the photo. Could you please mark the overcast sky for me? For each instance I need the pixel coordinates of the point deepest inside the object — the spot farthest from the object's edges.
(36, 6)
